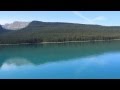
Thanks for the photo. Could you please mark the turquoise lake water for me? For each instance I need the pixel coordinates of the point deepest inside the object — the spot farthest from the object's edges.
(88, 60)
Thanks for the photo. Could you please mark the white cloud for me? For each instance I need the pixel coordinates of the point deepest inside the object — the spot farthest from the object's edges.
(4, 21)
(99, 18)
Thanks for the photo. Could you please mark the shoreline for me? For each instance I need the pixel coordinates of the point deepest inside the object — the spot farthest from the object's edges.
(60, 42)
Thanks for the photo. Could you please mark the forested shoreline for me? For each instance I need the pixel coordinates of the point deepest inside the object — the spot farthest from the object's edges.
(39, 32)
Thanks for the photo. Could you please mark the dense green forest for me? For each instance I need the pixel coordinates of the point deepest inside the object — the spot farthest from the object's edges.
(37, 32)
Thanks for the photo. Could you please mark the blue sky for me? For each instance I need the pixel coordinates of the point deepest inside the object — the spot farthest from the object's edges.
(109, 18)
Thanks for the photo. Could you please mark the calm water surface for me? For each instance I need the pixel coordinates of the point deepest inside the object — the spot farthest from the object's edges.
(61, 61)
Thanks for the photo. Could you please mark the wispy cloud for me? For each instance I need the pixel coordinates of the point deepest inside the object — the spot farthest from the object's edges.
(82, 16)
(91, 21)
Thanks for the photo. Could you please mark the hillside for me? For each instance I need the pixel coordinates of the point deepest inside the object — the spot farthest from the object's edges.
(37, 32)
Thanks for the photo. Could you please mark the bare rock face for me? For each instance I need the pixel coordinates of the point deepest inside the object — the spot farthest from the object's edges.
(16, 25)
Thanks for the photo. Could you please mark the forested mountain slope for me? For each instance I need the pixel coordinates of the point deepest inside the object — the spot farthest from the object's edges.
(37, 32)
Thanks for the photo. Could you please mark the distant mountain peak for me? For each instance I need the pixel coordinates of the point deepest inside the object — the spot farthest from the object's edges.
(16, 25)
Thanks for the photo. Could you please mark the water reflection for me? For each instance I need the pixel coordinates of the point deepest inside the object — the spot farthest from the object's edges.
(75, 60)
(39, 54)
(88, 67)
(13, 63)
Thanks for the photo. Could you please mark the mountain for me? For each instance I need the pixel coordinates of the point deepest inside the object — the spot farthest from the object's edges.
(38, 31)
(2, 29)
(16, 25)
